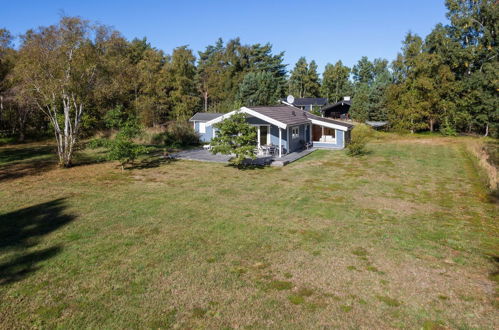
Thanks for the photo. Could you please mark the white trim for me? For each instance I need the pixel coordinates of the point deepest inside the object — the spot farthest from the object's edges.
(280, 142)
(263, 117)
(219, 119)
(202, 128)
(327, 124)
(249, 112)
(258, 133)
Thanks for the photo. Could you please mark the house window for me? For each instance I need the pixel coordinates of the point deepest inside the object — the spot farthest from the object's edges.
(295, 132)
(330, 132)
(202, 128)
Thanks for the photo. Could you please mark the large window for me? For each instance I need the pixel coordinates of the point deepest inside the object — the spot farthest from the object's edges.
(330, 132)
(295, 132)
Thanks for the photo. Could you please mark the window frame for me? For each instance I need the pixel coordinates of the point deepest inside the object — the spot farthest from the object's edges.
(293, 135)
(202, 128)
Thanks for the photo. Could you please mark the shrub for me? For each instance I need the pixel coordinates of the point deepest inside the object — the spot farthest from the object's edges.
(235, 137)
(447, 129)
(176, 134)
(361, 134)
(98, 143)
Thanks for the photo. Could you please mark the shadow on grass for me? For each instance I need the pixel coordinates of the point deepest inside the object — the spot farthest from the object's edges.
(152, 162)
(22, 230)
(22, 153)
(248, 167)
(25, 160)
(20, 169)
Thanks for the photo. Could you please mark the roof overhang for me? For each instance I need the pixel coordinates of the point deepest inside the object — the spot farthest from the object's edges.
(249, 112)
(328, 124)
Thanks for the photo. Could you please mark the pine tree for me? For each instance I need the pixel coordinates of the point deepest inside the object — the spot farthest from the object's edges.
(336, 82)
(312, 82)
(180, 84)
(258, 88)
(298, 78)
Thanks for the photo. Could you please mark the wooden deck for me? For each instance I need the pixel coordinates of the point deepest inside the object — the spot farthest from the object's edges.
(206, 156)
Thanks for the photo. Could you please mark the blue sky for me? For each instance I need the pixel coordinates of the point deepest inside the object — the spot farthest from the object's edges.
(325, 31)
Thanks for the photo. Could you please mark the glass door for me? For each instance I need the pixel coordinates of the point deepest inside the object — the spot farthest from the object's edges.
(264, 132)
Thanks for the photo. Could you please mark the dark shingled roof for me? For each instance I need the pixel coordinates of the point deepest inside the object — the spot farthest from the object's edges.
(320, 101)
(205, 116)
(293, 116)
(334, 105)
(283, 113)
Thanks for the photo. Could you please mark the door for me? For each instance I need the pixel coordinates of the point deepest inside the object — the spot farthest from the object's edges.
(316, 133)
(264, 132)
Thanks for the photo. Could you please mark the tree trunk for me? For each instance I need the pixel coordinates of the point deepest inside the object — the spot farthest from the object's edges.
(66, 139)
(486, 130)
(432, 122)
(205, 95)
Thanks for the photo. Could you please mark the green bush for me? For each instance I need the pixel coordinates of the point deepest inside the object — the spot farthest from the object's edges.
(361, 134)
(177, 135)
(98, 143)
(447, 129)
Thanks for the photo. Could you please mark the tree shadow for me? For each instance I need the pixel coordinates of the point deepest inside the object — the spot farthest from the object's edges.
(17, 170)
(23, 160)
(152, 162)
(23, 152)
(22, 230)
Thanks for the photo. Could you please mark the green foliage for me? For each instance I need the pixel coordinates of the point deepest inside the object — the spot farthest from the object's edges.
(304, 80)
(235, 137)
(122, 148)
(258, 88)
(447, 129)
(372, 80)
(115, 117)
(177, 134)
(222, 68)
(446, 81)
(336, 82)
(361, 134)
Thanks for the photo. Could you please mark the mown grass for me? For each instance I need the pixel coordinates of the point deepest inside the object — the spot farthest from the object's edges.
(328, 241)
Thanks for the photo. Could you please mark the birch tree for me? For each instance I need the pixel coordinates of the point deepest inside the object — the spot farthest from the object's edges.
(57, 67)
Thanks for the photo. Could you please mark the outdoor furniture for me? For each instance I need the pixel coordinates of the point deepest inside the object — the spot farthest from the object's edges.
(265, 150)
(271, 149)
(309, 145)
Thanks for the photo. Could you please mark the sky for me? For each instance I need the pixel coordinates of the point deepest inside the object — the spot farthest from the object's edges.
(325, 31)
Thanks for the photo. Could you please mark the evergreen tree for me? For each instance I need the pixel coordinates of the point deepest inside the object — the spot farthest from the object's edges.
(181, 90)
(371, 82)
(258, 88)
(312, 82)
(304, 80)
(298, 78)
(336, 82)
(363, 71)
(222, 68)
(235, 137)
(423, 97)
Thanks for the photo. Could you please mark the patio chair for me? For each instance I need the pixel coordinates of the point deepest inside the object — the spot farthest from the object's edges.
(272, 149)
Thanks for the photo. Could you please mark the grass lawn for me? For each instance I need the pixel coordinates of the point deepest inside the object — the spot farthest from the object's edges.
(403, 237)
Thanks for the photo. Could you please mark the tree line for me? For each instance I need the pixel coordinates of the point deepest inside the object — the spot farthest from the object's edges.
(66, 77)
